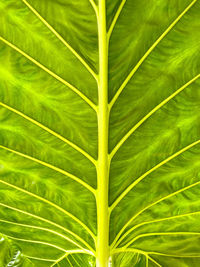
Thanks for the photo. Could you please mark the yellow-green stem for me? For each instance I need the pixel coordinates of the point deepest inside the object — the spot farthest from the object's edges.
(103, 162)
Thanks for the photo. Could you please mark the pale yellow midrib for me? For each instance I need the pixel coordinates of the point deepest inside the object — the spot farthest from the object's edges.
(102, 248)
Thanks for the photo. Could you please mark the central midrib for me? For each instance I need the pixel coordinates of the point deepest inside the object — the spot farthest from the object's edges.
(102, 249)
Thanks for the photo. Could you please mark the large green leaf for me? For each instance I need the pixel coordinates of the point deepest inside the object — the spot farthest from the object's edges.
(100, 131)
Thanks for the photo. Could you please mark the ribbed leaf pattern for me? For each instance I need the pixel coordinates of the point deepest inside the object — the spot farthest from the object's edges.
(50, 108)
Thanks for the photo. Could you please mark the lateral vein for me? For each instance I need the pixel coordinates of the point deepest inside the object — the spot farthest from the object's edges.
(74, 89)
(125, 250)
(151, 259)
(146, 253)
(73, 177)
(132, 185)
(47, 221)
(39, 259)
(50, 131)
(75, 260)
(133, 71)
(153, 221)
(151, 205)
(137, 125)
(175, 256)
(59, 259)
(66, 254)
(42, 229)
(85, 64)
(117, 14)
(147, 261)
(51, 204)
(36, 242)
(94, 7)
(69, 260)
(157, 234)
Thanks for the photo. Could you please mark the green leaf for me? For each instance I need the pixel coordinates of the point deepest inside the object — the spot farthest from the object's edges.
(100, 132)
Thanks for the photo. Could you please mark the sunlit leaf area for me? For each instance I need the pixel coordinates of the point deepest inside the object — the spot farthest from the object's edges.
(99, 133)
